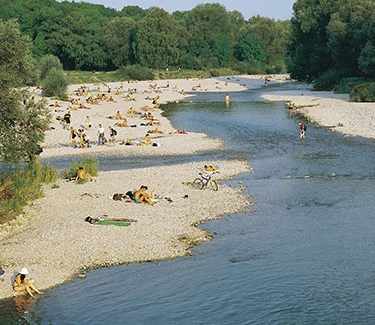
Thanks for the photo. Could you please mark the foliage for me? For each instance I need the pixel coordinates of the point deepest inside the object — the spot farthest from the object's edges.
(347, 84)
(20, 187)
(47, 63)
(90, 166)
(91, 37)
(363, 93)
(329, 80)
(79, 77)
(332, 35)
(136, 72)
(119, 38)
(23, 119)
(159, 40)
(16, 63)
(55, 84)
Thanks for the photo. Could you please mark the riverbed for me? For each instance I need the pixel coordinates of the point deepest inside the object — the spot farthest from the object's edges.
(304, 255)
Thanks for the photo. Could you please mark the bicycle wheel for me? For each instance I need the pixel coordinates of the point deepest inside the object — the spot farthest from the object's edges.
(198, 183)
(213, 185)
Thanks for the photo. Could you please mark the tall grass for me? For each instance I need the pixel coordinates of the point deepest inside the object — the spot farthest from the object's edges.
(20, 187)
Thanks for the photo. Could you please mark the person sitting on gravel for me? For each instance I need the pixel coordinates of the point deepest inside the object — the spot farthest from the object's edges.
(146, 140)
(73, 136)
(22, 286)
(118, 116)
(122, 123)
(82, 175)
(211, 169)
(112, 134)
(143, 196)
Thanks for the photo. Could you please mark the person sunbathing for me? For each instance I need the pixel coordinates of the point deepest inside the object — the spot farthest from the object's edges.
(73, 137)
(23, 286)
(143, 196)
(211, 169)
(156, 130)
(110, 99)
(118, 116)
(180, 131)
(131, 112)
(146, 140)
(82, 175)
(122, 123)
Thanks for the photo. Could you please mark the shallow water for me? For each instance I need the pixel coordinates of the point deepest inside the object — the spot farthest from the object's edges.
(303, 256)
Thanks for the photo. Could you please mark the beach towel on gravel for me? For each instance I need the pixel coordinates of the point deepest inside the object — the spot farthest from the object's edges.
(112, 223)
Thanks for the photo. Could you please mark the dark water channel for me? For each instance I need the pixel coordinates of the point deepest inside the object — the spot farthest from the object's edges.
(304, 256)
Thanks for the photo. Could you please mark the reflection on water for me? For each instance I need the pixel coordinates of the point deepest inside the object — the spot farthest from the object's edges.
(304, 256)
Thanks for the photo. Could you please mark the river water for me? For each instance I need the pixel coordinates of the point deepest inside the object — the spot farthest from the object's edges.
(304, 255)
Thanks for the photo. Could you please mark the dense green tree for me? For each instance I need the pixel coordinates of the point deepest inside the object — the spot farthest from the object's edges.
(23, 120)
(159, 40)
(47, 63)
(119, 38)
(250, 48)
(134, 12)
(332, 36)
(92, 37)
(55, 83)
(210, 30)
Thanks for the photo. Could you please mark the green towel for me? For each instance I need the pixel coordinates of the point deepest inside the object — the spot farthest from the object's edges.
(113, 223)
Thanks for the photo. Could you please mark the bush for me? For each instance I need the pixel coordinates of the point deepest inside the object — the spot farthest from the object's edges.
(347, 84)
(136, 72)
(363, 93)
(222, 72)
(247, 68)
(90, 166)
(329, 80)
(20, 187)
(47, 63)
(55, 84)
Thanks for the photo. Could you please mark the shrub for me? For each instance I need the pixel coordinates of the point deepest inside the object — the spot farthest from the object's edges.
(47, 63)
(55, 84)
(136, 72)
(20, 187)
(363, 93)
(329, 80)
(90, 166)
(222, 72)
(248, 68)
(347, 84)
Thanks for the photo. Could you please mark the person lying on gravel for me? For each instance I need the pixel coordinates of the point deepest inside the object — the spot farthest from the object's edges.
(22, 286)
(105, 221)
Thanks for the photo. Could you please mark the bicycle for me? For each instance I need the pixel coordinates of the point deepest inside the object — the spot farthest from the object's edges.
(205, 181)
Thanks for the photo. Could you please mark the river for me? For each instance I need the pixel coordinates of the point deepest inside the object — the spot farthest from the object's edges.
(304, 255)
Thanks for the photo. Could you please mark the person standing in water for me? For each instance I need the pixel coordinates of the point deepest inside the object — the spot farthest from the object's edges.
(22, 286)
(302, 130)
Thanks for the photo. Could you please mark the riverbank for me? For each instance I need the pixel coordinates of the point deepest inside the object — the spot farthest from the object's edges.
(52, 239)
(138, 97)
(56, 242)
(330, 110)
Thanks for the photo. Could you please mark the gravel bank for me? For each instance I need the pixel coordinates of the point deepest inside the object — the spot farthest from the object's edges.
(57, 242)
(331, 110)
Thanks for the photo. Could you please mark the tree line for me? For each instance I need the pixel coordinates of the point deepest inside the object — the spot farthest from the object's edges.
(331, 40)
(92, 37)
